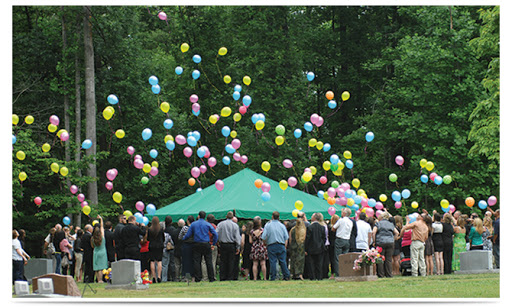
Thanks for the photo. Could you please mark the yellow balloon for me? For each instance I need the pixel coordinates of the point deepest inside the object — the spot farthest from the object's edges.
(127, 213)
(312, 142)
(360, 192)
(247, 80)
(350, 202)
(213, 119)
(111, 108)
(347, 154)
(52, 128)
(146, 168)
(356, 183)
(20, 155)
(168, 138)
(15, 119)
(54, 167)
(445, 204)
(338, 171)
(94, 222)
(363, 210)
(227, 79)
(22, 176)
(295, 212)
(283, 184)
(117, 197)
(307, 176)
(279, 140)
(265, 166)
(326, 165)
(299, 205)
(414, 204)
(184, 47)
(223, 51)
(107, 113)
(429, 166)
(313, 170)
(60, 132)
(237, 117)
(86, 210)
(326, 195)
(341, 166)
(260, 125)
(155, 164)
(225, 112)
(29, 119)
(64, 171)
(120, 133)
(233, 133)
(383, 197)
(165, 107)
(345, 95)
(319, 145)
(423, 163)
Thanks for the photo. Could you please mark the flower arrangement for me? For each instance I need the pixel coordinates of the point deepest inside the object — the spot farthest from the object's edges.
(368, 258)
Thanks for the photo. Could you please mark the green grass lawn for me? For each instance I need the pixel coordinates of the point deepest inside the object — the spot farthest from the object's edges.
(448, 286)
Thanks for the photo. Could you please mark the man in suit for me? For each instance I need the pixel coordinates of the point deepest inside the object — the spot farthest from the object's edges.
(168, 268)
(118, 240)
(88, 253)
(314, 246)
(109, 243)
(177, 247)
(131, 240)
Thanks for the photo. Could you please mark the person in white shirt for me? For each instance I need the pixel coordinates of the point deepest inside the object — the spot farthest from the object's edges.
(19, 258)
(343, 228)
(364, 233)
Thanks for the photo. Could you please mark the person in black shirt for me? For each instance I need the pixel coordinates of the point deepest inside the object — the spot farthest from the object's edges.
(131, 240)
(88, 253)
(168, 269)
(314, 246)
(156, 247)
(177, 248)
(353, 236)
(118, 240)
(109, 243)
(447, 236)
(79, 255)
(58, 237)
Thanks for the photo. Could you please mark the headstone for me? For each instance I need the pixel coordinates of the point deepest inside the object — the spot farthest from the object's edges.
(476, 260)
(62, 284)
(45, 286)
(125, 272)
(347, 272)
(21, 288)
(37, 267)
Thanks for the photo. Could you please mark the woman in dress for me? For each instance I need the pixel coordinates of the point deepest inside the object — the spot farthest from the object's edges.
(475, 235)
(459, 242)
(187, 262)
(487, 234)
(398, 245)
(258, 253)
(298, 257)
(99, 261)
(429, 246)
(437, 238)
(246, 249)
(156, 249)
(332, 238)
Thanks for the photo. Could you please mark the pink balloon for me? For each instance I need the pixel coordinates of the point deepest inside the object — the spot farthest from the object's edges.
(399, 160)
(242, 110)
(109, 185)
(265, 187)
(323, 180)
(398, 204)
(64, 136)
(73, 189)
(357, 214)
(320, 121)
(338, 201)
(138, 163)
(378, 213)
(292, 181)
(130, 150)
(139, 206)
(244, 159)
(364, 202)
(84, 203)
(236, 143)
(331, 211)
(196, 107)
(137, 157)
(38, 200)
(115, 171)
(187, 151)
(343, 201)
(194, 98)
(236, 156)
(111, 175)
(340, 192)
(331, 192)
(287, 163)
(433, 176)
(162, 16)
(154, 171)
(80, 197)
(207, 152)
(369, 212)
(307, 170)
(345, 186)
(314, 118)
(492, 200)
(54, 120)
(212, 162)
(180, 139)
(202, 169)
(379, 206)
(195, 172)
(451, 208)
(219, 184)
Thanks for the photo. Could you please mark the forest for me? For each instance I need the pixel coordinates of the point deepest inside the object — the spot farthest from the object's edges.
(423, 79)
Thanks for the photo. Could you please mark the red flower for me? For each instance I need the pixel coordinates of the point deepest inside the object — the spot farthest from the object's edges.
(383, 258)
(379, 249)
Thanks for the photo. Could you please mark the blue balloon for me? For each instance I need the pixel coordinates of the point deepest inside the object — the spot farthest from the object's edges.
(146, 134)
(153, 153)
(308, 126)
(446, 210)
(355, 207)
(424, 178)
(66, 220)
(189, 133)
(178, 70)
(112, 99)
(247, 100)
(327, 147)
(226, 160)
(226, 131)
(13, 139)
(230, 149)
(153, 80)
(358, 199)
(86, 144)
(396, 196)
(261, 116)
(196, 134)
(406, 193)
(372, 202)
(297, 133)
(198, 190)
(254, 118)
(265, 196)
(310, 76)
(196, 113)
(151, 209)
(348, 194)
(139, 218)
(349, 164)
(145, 221)
(332, 104)
(320, 194)
(196, 58)
(155, 89)
(412, 217)
(334, 159)
(191, 141)
(238, 88)
(369, 136)
(196, 74)
(236, 95)
(170, 145)
(482, 204)
(201, 152)
(438, 180)
(168, 123)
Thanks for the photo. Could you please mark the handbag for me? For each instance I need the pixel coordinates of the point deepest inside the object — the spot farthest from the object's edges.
(169, 246)
(51, 249)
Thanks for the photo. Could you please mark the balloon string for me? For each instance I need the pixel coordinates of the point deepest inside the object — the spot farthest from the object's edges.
(352, 172)
(203, 126)
(18, 211)
(189, 162)
(365, 149)
(218, 69)
(335, 111)
(201, 67)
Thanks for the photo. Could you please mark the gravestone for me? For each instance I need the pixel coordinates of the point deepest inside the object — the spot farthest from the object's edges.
(37, 267)
(475, 260)
(21, 288)
(45, 285)
(62, 284)
(347, 272)
(126, 275)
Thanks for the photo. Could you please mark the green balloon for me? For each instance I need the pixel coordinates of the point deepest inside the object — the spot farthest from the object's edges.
(335, 184)
(280, 130)
(144, 180)
(334, 167)
(447, 179)
(393, 177)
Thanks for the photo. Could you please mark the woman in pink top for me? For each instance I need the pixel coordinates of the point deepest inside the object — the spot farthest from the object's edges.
(406, 242)
(66, 257)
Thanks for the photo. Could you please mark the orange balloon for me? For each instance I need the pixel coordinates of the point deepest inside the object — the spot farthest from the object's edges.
(470, 201)
(331, 200)
(258, 183)
(191, 182)
(329, 95)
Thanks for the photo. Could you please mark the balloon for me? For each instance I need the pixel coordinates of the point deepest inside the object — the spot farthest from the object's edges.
(451, 208)
(433, 176)
(329, 95)
(482, 204)
(260, 125)
(335, 184)
(15, 119)
(349, 164)
(320, 121)
(139, 206)
(164, 106)
(111, 175)
(447, 179)
(347, 154)
(225, 131)
(153, 171)
(73, 189)
(356, 183)
(233, 134)
(192, 141)
(331, 192)
(265, 196)
(66, 220)
(369, 212)
(332, 104)
(308, 126)
(54, 120)
(399, 160)
(236, 95)
(191, 182)
(242, 110)
(196, 58)
(265, 187)
(13, 139)
(225, 112)
(127, 213)
(412, 218)
(226, 160)
(29, 119)
(379, 206)
(283, 184)
(396, 196)
(227, 79)
(295, 212)
(398, 205)
(247, 80)
(80, 197)
(492, 200)
(424, 178)
(383, 197)
(118, 197)
(247, 100)
(180, 139)
(312, 142)
(156, 89)
(146, 168)
(297, 133)
(153, 153)
(406, 193)
(470, 201)
(323, 180)
(120, 133)
(196, 107)
(38, 200)
(153, 80)
(108, 113)
(236, 143)
(151, 209)
(86, 210)
(438, 180)
(64, 136)
(223, 51)
(307, 176)
(219, 184)
(371, 202)
(236, 156)
(331, 211)
(20, 155)
(64, 171)
(350, 202)
(393, 177)
(280, 130)
(196, 74)
(423, 163)
(146, 134)
(292, 181)
(310, 76)
(52, 128)
(130, 150)
(212, 162)
(334, 159)
(369, 136)
(429, 166)
(86, 144)
(195, 172)
(326, 165)
(184, 47)
(178, 70)
(444, 203)
(287, 163)
(414, 204)
(345, 95)
(138, 163)
(162, 16)
(314, 118)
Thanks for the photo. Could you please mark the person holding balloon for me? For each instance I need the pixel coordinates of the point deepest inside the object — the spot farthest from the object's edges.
(100, 260)
(419, 237)
(131, 240)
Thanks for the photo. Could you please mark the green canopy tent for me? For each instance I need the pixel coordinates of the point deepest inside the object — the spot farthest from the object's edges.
(241, 196)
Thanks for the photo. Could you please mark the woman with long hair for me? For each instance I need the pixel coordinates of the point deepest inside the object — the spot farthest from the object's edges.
(447, 235)
(487, 234)
(475, 235)
(332, 239)
(99, 261)
(398, 245)
(258, 253)
(187, 263)
(429, 246)
(156, 248)
(459, 242)
(298, 257)
(246, 248)
(437, 238)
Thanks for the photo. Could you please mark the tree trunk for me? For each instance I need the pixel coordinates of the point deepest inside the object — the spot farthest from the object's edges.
(78, 110)
(90, 106)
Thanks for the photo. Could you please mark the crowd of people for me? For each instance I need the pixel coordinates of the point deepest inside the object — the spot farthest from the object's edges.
(198, 248)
